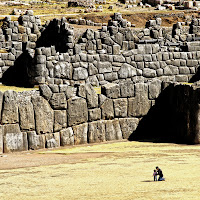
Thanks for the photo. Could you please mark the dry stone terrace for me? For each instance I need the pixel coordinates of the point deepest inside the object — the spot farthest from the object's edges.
(136, 72)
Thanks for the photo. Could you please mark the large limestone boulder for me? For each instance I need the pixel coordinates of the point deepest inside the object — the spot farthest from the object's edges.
(60, 120)
(80, 133)
(111, 90)
(117, 128)
(113, 131)
(104, 67)
(46, 91)
(66, 70)
(14, 139)
(58, 101)
(11, 128)
(91, 96)
(26, 115)
(80, 73)
(82, 91)
(52, 140)
(120, 107)
(66, 137)
(154, 89)
(127, 88)
(35, 141)
(77, 111)
(44, 115)
(107, 109)
(70, 92)
(139, 105)
(10, 113)
(15, 142)
(128, 126)
(94, 114)
(96, 132)
(127, 71)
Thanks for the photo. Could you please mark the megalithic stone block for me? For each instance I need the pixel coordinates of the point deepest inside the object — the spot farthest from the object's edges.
(10, 113)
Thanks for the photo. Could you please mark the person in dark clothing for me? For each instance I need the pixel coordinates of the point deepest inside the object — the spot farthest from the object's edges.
(160, 174)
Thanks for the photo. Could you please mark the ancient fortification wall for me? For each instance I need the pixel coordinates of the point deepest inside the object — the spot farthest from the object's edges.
(129, 67)
(52, 54)
(65, 115)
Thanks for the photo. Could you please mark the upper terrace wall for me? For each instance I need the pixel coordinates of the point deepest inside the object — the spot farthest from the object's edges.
(51, 53)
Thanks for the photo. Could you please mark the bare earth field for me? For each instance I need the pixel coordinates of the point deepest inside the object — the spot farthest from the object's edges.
(121, 170)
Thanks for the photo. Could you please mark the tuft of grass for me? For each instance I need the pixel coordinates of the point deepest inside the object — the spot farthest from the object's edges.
(3, 51)
(4, 88)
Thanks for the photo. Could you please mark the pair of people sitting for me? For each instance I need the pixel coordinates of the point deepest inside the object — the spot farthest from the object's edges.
(158, 172)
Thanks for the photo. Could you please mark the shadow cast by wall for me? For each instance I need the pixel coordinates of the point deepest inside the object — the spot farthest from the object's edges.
(17, 75)
(56, 35)
(196, 76)
(173, 118)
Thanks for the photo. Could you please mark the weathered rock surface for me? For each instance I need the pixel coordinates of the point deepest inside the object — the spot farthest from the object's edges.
(91, 96)
(127, 89)
(15, 142)
(66, 137)
(117, 128)
(96, 131)
(154, 89)
(80, 73)
(13, 138)
(80, 133)
(46, 91)
(1, 102)
(60, 120)
(128, 126)
(111, 90)
(58, 101)
(120, 107)
(94, 114)
(113, 131)
(52, 140)
(139, 105)
(10, 113)
(77, 111)
(107, 109)
(35, 141)
(126, 71)
(11, 128)
(44, 115)
(26, 115)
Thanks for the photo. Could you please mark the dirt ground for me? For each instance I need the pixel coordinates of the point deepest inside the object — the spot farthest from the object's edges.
(121, 170)
(136, 15)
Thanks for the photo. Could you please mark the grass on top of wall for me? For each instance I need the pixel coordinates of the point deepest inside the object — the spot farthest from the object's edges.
(4, 88)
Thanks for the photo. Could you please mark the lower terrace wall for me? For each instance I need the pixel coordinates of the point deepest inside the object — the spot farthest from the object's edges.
(60, 115)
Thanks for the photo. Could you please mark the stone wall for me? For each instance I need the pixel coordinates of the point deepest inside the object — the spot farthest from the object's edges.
(53, 54)
(62, 115)
(116, 53)
(130, 66)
